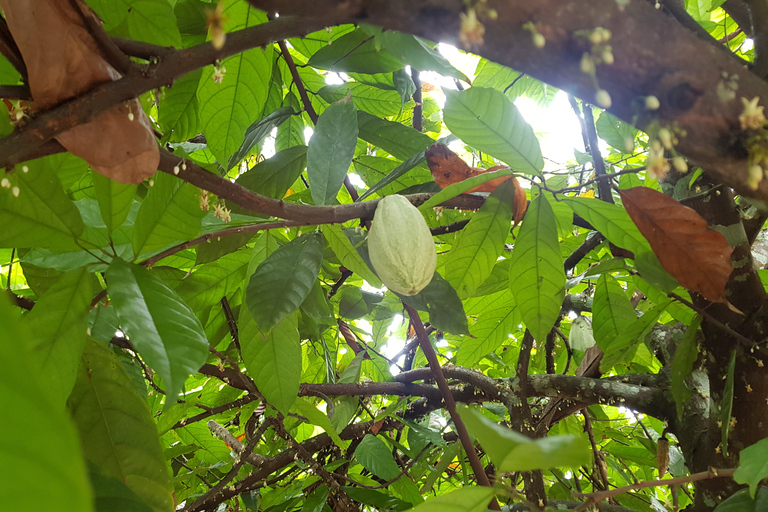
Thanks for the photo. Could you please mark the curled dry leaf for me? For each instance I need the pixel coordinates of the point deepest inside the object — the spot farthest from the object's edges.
(447, 168)
(63, 60)
(695, 254)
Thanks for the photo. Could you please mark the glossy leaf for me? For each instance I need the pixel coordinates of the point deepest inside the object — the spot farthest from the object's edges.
(115, 200)
(210, 282)
(169, 214)
(487, 120)
(317, 417)
(625, 343)
(611, 311)
(695, 254)
(355, 52)
(441, 301)
(686, 354)
(39, 442)
(347, 254)
(258, 131)
(179, 109)
(512, 451)
(753, 465)
(153, 21)
(163, 329)
(118, 433)
(273, 360)
(612, 221)
(316, 500)
(491, 331)
(374, 100)
(331, 149)
(228, 108)
(615, 132)
(536, 276)
(376, 456)
(274, 176)
(481, 242)
(57, 330)
(400, 141)
(282, 282)
(416, 53)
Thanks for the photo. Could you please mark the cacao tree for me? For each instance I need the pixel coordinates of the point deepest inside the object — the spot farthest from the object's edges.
(191, 319)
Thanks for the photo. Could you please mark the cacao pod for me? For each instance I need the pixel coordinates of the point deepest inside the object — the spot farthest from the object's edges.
(401, 247)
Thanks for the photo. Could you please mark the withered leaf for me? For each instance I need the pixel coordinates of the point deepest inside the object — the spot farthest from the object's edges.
(695, 254)
(63, 60)
(447, 168)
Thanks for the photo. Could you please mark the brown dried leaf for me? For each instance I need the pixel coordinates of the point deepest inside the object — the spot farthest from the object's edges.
(63, 60)
(447, 168)
(696, 255)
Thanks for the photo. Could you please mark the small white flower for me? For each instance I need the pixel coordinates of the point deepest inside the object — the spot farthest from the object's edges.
(176, 169)
(218, 74)
(472, 31)
(539, 40)
(656, 164)
(652, 102)
(603, 99)
(755, 176)
(665, 136)
(752, 117)
(151, 183)
(6, 183)
(607, 56)
(15, 191)
(587, 64)
(25, 169)
(680, 164)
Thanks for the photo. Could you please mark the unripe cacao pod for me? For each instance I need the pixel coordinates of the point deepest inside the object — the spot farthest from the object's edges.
(401, 247)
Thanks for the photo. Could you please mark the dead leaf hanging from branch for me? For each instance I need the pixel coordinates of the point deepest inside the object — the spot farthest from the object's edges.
(64, 60)
(695, 254)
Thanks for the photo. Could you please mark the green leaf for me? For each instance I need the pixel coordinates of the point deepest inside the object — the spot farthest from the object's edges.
(317, 417)
(740, 501)
(415, 52)
(440, 300)
(625, 343)
(454, 189)
(212, 281)
(274, 176)
(331, 149)
(153, 21)
(379, 500)
(355, 52)
(686, 353)
(491, 331)
(39, 443)
(347, 254)
(487, 120)
(170, 214)
(612, 221)
(116, 427)
(273, 361)
(316, 500)
(753, 465)
(374, 100)
(115, 200)
(726, 405)
(163, 329)
(282, 282)
(376, 456)
(400, 141)
(614, 131)
(699, 9)
(228, 108)
(465, 499)
(57, 326)
(258, 131)
(611, 311)
(179, 109)
(481, 242)
(512, 451)
(291, 132)
(536, 275)
(42, 215)
(112, 494)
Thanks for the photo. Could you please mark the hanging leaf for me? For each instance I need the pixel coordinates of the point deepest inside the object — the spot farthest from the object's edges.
(178, 110)
(210, 282)
(258, 131)
(481, 242)
(355, 52)
(490, 331)
(115, 200)
(624, 344)
(163, 329)
(611, 311)
(57, 330)
(368, 98)
(686, 354)
(487, 120)
(400, 141)
(465, 499)
(753, 465)
(612, 221)
(417, 54)
(331, 149)
(282, 282)
(536, 276)
(39, 442)
(376, 456)
(347, 254)
(440, 300)
(274, 176)
(695, 254)
(118, 433)
(726, 405)
(512, 451)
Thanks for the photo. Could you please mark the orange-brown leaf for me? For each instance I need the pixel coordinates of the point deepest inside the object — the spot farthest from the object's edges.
(447, 168)
(695, 254)
(63, 61)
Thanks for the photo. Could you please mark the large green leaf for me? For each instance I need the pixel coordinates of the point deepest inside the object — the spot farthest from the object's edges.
(316, 417)
(273, 361)
(291, 132)
(465, 499)
(374, 100)
(481, 242)
(179, 109)
(331, 149)
(356, 52)
(753, 465)
(536, 275)
(57, 327)
(163, 329)
(440, 300)
(170, 214)
(282, 282)
(210, 282)
(112, 494)
(491, 331)
(398, 140)
(512, 451)
(611, 311)
(274, 176)
(228, 108)
(42, 215)
(614, 131)
(686, 353)
(258, 131)
(455, 189)
(417, 54)
(376, 456)
(38, 444)
(612, 221)
(116, 427)
(153, 21)
(741, 501)
(625, 342)
(347, 254)
(489, 121)
(114, 199)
